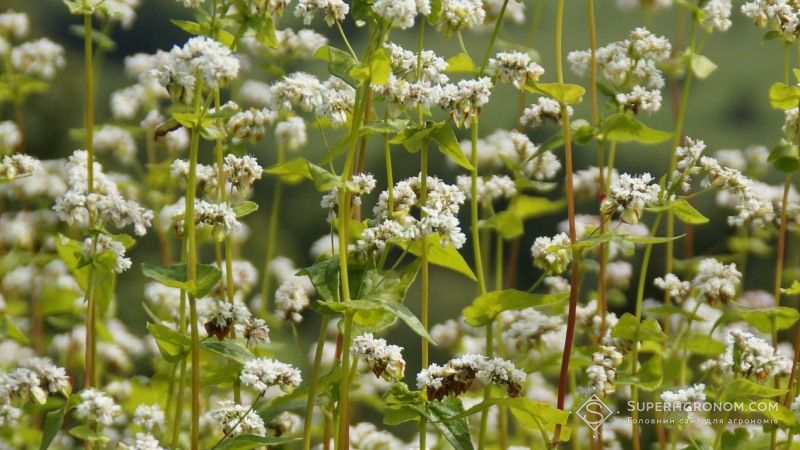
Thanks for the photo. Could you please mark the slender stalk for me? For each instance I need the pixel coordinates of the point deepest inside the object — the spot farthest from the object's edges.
(487, 391)
(312, 383)
(425, 278)
(191, 260)
(272, 235)
(91, 314)
(575, 266)
(676, 140)
(496, 30)
(343, 443)
(648, 251)
(474, 215)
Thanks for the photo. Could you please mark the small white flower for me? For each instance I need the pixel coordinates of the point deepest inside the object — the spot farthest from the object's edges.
(552, 254)
(291, 133)
(149, 417)
(97, 407)
(40, 58)
(332, 10)
(545, 108)
(263, 373)
(238, 419)
(630, 195)
(716, 281)
(459, 14)
(385, 360)
(515, 68)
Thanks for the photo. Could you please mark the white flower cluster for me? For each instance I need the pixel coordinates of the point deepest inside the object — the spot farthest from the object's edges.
(117, 142)
(591, 319)
(603, 372)
(254, 330)
(527, 328)
(457, 375)
(552, 254)
(779, 15)
(717, 14)
(515, 68)
(293, 295)
(459, 14)
(200, 56)
(238, 419)
(465, 99)
(300, 44)
(515, 11)
(752, 208)
(691, 395)
(748, 356)
(249, 125)
(145, 441)
(103, 243)
(332, 99)
(222, 316)
(97, 407)
(19, 165)
(677, 289)
(404, 65)
(10, 136)
(409, 219)
(640, 99)
(360, 184)
(149, 417)
(264, 373)
(687, 156)
(401, 13)
(545, 108)
(716, 281)
(291, 133)
(385, 360)
(516, 152)
(631, 67)
(650, 5)
(105, 203)
(587, 182)
(333, 11)
(400, 94)
(218, 216)
(33, 380)
(14, 24)
(366, 436)
(239, 172)
(491, 189)
(630, 195)
(41, 58)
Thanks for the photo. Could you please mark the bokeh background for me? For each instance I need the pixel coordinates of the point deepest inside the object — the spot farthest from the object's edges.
(730, 109)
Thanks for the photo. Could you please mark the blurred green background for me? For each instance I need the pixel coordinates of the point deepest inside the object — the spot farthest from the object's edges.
(728, 110)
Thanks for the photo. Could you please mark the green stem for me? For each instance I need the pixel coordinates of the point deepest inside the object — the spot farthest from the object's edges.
(425, 281)
(474, 214)
(272, 235)
(648, 251)
(91, 314)
(189, 229)
(343, 443)
(496, 30)
(312, 383)
(487, 390)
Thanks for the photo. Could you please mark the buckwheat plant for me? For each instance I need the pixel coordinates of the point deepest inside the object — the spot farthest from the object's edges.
(248, 249)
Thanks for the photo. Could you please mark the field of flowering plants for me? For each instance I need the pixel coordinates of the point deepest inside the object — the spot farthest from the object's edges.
(526, 242)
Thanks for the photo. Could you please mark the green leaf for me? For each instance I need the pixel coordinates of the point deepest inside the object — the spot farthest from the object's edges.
(360, 306)
(702, 67)
(324, 275)
(173, 345)
(687, 213)
(219, 374)
(527, 207)
(744, 389)
(507, 224)
(785, 157)
(487, 307)
(244, 208)
(413, 138)
(378, 70)
(567, 94)
(440, 255)
(10, 330)
(265, 32)
(175, 276)
(339, 62)
(529, 413)
(292, 171)
(701, 344)
(649, 376)
(461, 63)
(783, 96)
(447, 143)
(794, 289)
(629, 329)
(229, 349)
(456, 431)
(84, 433)
(53, 421)
(250, 441)
(781, 317)
(622, 127)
